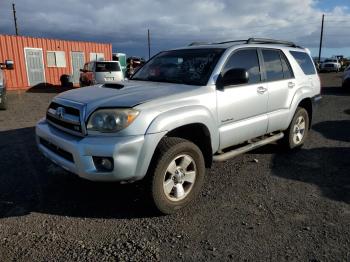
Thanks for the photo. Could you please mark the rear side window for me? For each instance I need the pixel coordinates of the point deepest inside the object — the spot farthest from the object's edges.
(287, 70)
(304, 62)
(246, 59)
(273, 65)
(107, 67)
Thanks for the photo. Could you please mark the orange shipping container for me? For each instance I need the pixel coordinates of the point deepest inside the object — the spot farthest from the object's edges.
(43, 61)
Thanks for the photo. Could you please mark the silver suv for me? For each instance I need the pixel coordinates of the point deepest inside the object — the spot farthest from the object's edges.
(184, 109)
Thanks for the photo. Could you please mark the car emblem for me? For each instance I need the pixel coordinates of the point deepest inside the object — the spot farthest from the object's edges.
(60, 112)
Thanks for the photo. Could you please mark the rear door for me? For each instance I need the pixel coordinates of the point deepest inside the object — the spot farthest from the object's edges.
(281, 85)
(242, 108)
(34, 65)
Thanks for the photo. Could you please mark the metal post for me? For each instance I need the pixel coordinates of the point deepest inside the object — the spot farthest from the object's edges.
(321, 39)
(149, 44)
(14, 17)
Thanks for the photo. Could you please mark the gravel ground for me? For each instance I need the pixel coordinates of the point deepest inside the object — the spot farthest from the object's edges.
(265, 205)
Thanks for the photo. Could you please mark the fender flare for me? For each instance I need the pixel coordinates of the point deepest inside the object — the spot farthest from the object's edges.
(170, 120)
(175, 118)
(300, 95)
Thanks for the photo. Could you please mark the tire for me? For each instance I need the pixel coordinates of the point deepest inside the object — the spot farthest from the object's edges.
(3, 104)
(298, 129)
(176, 175)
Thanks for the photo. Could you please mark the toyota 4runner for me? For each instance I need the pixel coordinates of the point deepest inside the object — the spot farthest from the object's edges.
(184, 109)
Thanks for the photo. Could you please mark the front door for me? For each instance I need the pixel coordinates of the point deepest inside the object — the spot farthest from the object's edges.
(77, 64)
(35, 66)
(242, 109)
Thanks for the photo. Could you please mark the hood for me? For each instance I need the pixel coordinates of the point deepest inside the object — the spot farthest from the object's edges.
(128, 94)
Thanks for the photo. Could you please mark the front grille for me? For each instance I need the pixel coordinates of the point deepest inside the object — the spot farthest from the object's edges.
(67, 125)
(329, 65)
(57, 150)
(69, 110)
(65, 117)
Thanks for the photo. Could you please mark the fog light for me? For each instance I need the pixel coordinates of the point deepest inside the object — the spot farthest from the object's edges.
(103, 163)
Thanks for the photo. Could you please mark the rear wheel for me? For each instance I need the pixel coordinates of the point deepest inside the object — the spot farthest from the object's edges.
(298, 129)
(176, 175)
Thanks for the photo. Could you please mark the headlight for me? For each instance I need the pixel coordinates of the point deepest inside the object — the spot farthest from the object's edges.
(111, 120)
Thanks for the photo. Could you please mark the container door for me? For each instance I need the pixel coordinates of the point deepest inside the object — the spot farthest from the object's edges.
(78, 62)
(35, 66)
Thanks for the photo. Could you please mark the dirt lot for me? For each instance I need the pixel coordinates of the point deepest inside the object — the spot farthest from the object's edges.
(292, 206)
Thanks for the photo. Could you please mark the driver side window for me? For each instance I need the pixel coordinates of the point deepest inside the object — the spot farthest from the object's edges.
(245, 59)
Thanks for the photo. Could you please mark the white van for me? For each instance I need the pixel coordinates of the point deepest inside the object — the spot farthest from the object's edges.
(101, 72)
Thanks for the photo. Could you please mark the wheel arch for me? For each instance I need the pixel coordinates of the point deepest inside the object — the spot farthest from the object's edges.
(302, 98)
(193, 123)
(198, 134)
(306, 103)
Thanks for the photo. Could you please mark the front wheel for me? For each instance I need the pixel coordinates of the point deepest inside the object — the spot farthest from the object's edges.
(176, 175)
(298, 129)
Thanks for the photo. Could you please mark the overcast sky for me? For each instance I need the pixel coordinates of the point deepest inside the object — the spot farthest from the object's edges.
(175, 23)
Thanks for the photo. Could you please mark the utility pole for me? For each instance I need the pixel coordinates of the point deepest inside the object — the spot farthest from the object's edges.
(14, 17)
(321, 39)
(149, 44)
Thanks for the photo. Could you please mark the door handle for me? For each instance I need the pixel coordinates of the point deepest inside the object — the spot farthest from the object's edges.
(291, 84)
(261, 90)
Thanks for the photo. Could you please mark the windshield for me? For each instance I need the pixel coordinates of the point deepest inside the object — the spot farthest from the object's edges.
(107, 67)
(188, 66)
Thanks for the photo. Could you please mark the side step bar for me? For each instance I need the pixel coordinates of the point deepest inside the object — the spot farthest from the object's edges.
(244, 149)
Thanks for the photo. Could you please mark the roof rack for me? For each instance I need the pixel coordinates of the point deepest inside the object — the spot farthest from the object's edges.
(270, 41)
(232, 41)
(251, 41)
(199, 43)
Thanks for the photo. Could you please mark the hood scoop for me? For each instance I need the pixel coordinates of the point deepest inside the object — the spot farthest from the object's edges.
(113, 86)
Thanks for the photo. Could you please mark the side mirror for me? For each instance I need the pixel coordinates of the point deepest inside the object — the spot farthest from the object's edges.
(9, 64)
(235, 76)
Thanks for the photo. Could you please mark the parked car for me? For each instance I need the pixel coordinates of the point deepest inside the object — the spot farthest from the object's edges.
(184, 109)
(346, 78)
(330, 65)
(3, 96)
(101, 72)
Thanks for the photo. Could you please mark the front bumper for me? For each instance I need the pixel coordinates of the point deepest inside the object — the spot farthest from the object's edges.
(329, 69)
(131, 154)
